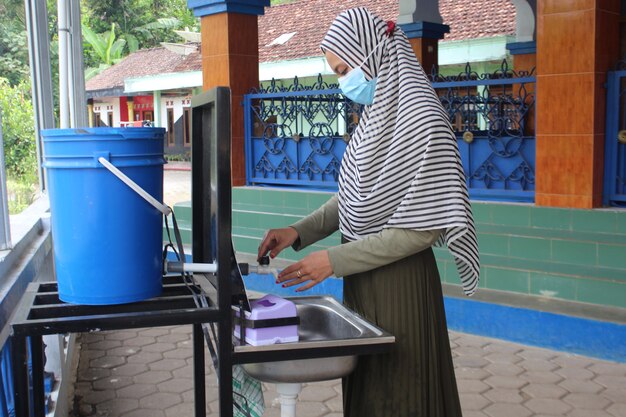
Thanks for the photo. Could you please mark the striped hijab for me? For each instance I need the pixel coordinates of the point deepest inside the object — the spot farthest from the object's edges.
(402, 166)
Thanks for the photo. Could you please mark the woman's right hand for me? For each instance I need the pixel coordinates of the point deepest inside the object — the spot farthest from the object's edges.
(275, 240)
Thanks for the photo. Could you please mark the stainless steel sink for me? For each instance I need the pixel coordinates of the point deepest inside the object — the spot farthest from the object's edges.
(324, 323)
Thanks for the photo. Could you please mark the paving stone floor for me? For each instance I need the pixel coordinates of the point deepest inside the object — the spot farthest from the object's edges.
(148, 372)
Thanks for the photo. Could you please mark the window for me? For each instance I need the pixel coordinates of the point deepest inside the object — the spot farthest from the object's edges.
(186, 126)
(171, 135)
(148, 115)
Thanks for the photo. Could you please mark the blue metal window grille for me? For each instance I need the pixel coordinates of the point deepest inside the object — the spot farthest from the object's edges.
(7, 392)
(296, 135)
(6, 379)
(492, 115)
(615, 143)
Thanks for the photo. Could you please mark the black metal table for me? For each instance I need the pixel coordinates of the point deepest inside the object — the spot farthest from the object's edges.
(40, 312)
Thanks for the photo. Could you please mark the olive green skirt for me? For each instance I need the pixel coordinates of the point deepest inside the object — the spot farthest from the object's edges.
(416, 378)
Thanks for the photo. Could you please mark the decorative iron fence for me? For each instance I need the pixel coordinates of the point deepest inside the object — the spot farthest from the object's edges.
(493, 118)
(296, 135)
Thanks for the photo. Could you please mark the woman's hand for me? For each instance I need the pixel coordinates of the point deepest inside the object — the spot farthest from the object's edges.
(275, 240)
(314, 268)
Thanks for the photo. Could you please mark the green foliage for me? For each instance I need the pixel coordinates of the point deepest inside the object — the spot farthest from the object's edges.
(178, 157)
(20, 194)
(140, 23)
(18, 132)
(108, 49)
(13, 42)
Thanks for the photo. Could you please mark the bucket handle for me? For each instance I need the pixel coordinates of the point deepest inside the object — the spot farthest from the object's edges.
(135, 187)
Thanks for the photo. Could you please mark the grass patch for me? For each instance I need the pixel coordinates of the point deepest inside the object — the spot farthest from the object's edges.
(20, 195)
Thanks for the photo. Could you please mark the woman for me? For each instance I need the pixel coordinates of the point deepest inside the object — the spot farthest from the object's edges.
(401, 190)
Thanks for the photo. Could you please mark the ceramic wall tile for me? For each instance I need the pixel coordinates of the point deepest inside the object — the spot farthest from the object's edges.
(214, 30)
(607, 37)
(243, 34)
(565, 42)
(564, 6)
(215, 71)
(565, 104)
(567, 165)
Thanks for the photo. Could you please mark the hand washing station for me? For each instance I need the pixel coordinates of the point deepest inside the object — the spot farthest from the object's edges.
(324, 344)
(323, 323)
(330, 337)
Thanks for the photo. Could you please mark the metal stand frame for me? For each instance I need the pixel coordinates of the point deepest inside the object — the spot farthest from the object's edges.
(40, 311)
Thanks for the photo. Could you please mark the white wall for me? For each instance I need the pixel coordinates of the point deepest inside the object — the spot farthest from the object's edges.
(105, 105)
(177, 103)
(450, 53)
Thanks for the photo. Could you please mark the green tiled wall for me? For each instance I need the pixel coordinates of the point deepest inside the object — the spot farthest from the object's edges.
(569, 254)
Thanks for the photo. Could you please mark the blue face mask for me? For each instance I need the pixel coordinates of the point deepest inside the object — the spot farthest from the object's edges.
(355, 86)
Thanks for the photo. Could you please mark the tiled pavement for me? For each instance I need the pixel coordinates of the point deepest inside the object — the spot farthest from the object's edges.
(177, 183)
(148, 372)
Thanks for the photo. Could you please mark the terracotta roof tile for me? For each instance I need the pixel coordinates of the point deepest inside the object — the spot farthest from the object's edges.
(141, 64)
(310, 20)
(470, 19)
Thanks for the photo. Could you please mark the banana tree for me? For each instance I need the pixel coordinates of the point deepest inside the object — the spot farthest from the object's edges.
(108, 49)
(147, 33)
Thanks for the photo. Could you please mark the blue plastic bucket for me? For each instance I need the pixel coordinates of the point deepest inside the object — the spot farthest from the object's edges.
(107, 239)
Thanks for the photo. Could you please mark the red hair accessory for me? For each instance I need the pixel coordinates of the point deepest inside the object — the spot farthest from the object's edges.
(391, 26)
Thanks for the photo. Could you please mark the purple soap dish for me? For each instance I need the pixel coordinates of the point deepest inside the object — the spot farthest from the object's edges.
(272, 320)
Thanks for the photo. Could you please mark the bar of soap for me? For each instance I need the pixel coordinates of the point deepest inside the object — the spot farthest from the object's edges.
(270, 307)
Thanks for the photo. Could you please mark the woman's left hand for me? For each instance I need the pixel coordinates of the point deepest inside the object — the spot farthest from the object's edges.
(314, 268)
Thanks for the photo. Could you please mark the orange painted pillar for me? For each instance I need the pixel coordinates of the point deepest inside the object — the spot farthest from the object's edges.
(230, 57)
(424, 38)
(577, 42)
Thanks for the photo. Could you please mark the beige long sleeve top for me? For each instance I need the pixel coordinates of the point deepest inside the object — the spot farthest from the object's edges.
(373, 251)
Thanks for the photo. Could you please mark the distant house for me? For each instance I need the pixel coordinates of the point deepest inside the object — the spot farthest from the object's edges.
(155, 85)
(290, 34)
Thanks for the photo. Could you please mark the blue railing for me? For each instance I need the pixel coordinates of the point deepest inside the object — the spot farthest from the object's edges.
(492, 115)
(615, 143)
(296, 135)
(6, 379)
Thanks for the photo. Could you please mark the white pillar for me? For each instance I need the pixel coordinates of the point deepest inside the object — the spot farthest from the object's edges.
(40, 74)
(419, 11)
(156, 98)
(78, 99)
(5, 225)
(524, 21)
(64, 37)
